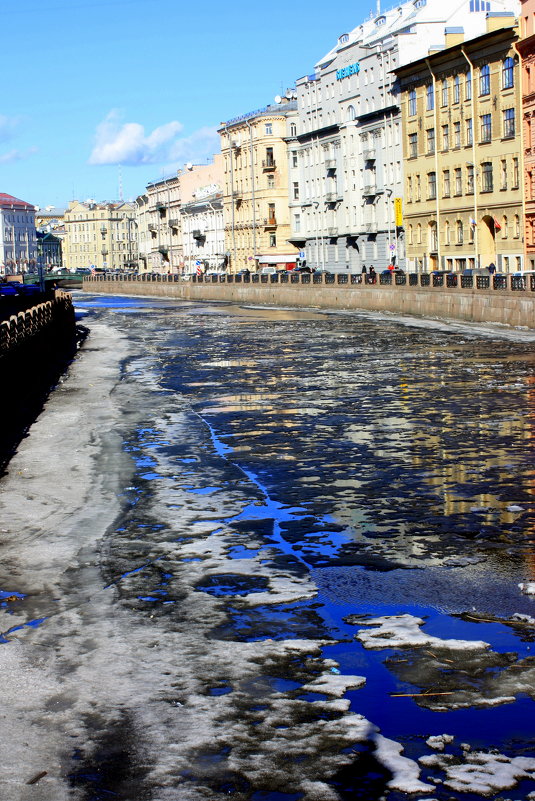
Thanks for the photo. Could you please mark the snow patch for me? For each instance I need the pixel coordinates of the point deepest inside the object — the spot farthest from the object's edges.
(403, 631)
(405, 771)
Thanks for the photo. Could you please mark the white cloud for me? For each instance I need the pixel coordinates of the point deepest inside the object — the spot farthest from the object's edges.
(127, 143)
(8, 126)
(16, 155)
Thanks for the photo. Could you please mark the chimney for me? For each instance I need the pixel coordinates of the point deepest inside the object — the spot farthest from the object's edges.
(453, 36)
(496, 20)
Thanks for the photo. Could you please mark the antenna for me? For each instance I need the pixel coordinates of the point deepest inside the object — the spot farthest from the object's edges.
(120, 184)
(378, 7)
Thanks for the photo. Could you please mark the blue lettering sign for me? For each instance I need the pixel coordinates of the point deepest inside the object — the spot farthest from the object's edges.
(345, 72)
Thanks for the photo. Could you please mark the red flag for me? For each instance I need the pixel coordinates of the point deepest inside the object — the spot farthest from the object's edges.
(497, 225)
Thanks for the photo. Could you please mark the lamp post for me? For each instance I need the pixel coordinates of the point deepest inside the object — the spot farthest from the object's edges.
(104, 251)
(40, 263)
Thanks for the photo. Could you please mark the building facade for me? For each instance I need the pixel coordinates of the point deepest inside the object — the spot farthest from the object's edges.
(159, 227)
(461, 112)
(18, 251)
(203, 232)
(526, 48)
(349, 143)
(100, 236)
(256, 187)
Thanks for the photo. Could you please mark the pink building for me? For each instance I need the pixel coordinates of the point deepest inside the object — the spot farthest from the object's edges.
(526, 48)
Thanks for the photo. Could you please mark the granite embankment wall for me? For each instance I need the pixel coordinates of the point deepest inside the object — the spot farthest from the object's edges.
(507, 300)
(36, 345)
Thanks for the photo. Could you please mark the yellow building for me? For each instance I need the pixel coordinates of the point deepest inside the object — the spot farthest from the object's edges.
(255, 194)
(100, 235)
(461, 111)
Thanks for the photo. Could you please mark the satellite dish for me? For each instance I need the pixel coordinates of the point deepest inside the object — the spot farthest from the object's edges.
(288, 95)
(278, 99)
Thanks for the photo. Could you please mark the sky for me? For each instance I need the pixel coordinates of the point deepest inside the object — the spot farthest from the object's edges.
(102, 93)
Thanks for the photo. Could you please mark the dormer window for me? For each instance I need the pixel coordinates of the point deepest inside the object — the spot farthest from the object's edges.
(420, 3)
(380, 21)
(343, 38)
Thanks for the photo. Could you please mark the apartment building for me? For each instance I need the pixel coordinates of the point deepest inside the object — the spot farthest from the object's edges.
(203, 231)
(349, 142)
(159, 226)
(461, 112)
(255, 196)
(100, 235)
(526, 48)
(18, 252)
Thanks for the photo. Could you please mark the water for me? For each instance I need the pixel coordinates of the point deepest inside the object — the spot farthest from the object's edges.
(294, 477)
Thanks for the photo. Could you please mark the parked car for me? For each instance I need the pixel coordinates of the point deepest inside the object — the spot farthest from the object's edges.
(268, 270)
(396, 270)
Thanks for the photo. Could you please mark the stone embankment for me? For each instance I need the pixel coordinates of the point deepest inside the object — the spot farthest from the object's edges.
(36, 344)
(503, 299)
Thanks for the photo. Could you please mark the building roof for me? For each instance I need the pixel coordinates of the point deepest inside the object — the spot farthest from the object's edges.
(10, 202)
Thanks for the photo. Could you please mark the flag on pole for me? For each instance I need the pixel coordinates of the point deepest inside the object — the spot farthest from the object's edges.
(497, 225)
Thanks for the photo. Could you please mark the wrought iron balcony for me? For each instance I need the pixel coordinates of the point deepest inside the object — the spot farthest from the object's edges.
(269, 164)
(330, 164)
(270, 222)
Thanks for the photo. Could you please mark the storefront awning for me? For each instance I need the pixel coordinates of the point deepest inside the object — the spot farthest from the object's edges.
(278, 258)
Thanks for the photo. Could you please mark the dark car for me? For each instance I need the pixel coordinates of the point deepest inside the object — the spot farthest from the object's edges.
(396, 270)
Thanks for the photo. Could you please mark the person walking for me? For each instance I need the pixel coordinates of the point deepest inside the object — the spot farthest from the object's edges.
(372, 275)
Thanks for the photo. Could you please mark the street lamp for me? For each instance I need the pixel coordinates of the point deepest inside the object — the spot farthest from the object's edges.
(40, 263)
(104, 251)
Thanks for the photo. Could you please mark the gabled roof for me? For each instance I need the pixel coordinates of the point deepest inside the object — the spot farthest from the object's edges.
(10, 202)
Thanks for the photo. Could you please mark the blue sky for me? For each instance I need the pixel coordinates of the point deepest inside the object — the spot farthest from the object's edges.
(90, 85)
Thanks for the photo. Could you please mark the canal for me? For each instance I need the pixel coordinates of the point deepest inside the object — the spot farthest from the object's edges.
(272, 555)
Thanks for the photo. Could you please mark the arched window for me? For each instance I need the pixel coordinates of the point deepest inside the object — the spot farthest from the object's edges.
(350, 114)
(410, 235)
(505, 227)
(419, 234)
(446, 233)
(433, 243)
(508, 73)
(484, 80)
(460, 232)
(516, 231)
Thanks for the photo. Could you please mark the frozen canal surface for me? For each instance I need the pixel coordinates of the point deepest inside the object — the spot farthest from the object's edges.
(272, 556)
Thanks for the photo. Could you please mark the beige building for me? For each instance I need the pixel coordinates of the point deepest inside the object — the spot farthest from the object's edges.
(526, 47)
(203, 234)
(461, 114)
(255, 199)
(159, 231)
(100, 235)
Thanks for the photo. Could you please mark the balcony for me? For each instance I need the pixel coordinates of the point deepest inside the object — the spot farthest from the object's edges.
(369, 227)
(173, 223)
(331, 231)
(151, 227)
(198, 234)
(269, 164)
(368, 155)
(330, 164)
(270, 222)
(369, 190)
(332, 197)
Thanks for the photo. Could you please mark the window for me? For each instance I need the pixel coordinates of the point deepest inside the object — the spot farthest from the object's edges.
(418, 188)
(273, 240)
(430, 95)
(410, 235)
(503, 174)
(516, 226)
(486, 128)
(270, 181)
(297, 223)
(456, 134)
(268, 128)
(444, 101)
(508, 73)
(445, 137)
(430, 141)
(413, 145)
(479, 5)
(470, 179)
(468, 85)
(293, 129)
(458, 181)
(431, 185)
(460, 232)
(446, 189)
(271, 212)
(295, 190)
(456, 89)
(350, 113)
(469, 133)
(446, 233)
(294, 158)
(409, 189)
(484, 80)
(486, 176)
(433, 240)
(412, 102)
(509, 123)
(515, 173)
(505, 227)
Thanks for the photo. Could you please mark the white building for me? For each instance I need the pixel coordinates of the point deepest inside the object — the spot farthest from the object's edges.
(159, 234)
(348, 148)
(18, 249)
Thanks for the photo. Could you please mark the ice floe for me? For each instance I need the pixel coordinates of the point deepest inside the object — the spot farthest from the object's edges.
(403, 631)
(527, 587)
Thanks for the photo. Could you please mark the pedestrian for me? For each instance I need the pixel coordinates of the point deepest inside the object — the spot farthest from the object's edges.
(372, 275)
(364, 271)
(391, 268)
(491, 268)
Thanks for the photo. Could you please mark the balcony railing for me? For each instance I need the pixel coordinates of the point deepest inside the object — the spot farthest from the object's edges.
(270, 221)
(269, 164)
(330, 164)
(332, 197)
(369, 190)
(370, 228)
(368, 155)
(198, 234)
